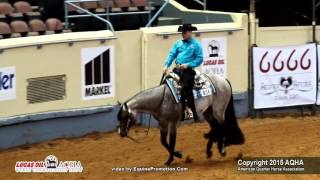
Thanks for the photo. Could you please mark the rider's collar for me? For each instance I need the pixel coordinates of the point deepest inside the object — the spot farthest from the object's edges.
(186, 41)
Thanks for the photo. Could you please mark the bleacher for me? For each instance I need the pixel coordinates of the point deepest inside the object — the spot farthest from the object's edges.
(123, 14)
(30, 18)
(20, 19)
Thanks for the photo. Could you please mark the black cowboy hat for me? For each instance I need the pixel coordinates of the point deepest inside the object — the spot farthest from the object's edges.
(186, 27)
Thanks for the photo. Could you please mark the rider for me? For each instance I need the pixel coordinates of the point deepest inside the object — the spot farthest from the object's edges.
(188, 55)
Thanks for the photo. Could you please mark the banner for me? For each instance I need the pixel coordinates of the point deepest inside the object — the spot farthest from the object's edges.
(214, 56)
(7, 83)
(284, 76)
(98, 73)
(318, 96)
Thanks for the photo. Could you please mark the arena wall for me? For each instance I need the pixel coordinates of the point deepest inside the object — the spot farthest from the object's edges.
(61, 58)
(283, 36)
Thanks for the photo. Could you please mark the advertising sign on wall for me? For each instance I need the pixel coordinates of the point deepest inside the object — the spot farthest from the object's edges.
(7, 83)
(98, 72)
(284, 76)
(318, 96)
(215, 56)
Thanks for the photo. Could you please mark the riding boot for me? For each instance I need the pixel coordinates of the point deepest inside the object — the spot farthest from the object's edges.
(191, 105)
(184, 106)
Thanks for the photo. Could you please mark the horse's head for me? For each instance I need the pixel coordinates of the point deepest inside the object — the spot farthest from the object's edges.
(126, 120)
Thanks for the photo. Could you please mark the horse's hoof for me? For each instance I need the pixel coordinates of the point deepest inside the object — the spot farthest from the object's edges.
(178, 154)
(222, 149)
(168, 163)
(209, 154)
(223, 154)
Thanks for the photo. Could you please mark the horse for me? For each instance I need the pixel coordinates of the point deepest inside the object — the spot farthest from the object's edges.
(217, 109)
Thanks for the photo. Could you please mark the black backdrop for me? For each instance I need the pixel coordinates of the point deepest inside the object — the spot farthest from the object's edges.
(269, 12)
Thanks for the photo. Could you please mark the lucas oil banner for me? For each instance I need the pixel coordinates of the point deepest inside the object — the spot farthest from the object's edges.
(98, 71)
(215, 56)
(284, 76)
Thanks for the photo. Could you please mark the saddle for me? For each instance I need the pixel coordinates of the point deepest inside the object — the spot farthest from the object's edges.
(199, 80)
(202, 85)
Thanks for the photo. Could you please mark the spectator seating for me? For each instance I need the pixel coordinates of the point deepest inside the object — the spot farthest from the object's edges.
(134, 14)
(7, 13)
(112, 5)
(35, 27)
(21, 19)
(26, 9)
(55, 25)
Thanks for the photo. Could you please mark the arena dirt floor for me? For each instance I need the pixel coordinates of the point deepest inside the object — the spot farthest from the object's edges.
(99, 152)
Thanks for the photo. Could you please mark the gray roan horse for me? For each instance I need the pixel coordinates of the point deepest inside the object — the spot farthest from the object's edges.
(217, 109)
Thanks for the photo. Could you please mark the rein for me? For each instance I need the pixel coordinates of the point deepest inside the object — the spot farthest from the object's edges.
(147, 131)
(149, 120)
(133, 139)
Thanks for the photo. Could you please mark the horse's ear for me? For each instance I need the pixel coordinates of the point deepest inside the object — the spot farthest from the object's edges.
(118, 103)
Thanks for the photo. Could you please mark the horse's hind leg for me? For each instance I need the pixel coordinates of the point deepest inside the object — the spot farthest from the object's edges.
(208, 114)
(220, 134)
(215, 130)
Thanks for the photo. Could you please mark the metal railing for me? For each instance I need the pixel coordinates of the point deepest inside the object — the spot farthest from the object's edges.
(157, 13)
(203, 3)
(71, 3)
(99, 16)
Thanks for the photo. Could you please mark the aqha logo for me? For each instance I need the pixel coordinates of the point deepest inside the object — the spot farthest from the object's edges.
(281, 60)
(7, 83)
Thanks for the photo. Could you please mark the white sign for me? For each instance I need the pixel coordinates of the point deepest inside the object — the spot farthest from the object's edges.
(284, 76)
(215, 56)
(98, 72)
(7, 83)
(318, 96)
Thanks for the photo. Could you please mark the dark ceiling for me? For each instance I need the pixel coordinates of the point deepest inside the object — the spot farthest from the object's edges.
(269, 12)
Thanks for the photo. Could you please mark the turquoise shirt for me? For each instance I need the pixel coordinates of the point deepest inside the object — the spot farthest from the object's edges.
(186, 52)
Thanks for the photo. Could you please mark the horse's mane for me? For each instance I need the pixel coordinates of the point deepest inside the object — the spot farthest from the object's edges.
(141, 92)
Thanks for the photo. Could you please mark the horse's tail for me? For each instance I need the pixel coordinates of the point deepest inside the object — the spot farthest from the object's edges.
(233, 132)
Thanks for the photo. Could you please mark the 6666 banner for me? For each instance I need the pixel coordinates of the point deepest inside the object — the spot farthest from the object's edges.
(284, 76)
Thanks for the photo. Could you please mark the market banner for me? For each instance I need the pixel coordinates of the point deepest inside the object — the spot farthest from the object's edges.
(284, 76)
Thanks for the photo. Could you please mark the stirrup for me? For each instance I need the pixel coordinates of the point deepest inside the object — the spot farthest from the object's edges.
(188, 114)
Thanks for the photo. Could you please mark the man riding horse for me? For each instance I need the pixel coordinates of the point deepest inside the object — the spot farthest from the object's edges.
(217, 108)
(188, 55)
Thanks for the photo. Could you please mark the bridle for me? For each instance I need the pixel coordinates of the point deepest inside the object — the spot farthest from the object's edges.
(129, 118)
(124, 108)
(130, 114)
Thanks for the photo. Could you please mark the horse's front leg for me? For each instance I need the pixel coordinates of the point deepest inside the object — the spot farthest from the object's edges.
(172, 144)
(164, 132)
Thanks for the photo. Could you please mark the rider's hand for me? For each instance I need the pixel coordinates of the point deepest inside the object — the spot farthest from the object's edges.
(183, 66)
(165, 71)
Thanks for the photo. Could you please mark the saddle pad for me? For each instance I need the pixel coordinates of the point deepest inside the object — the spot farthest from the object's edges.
(206, 90)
